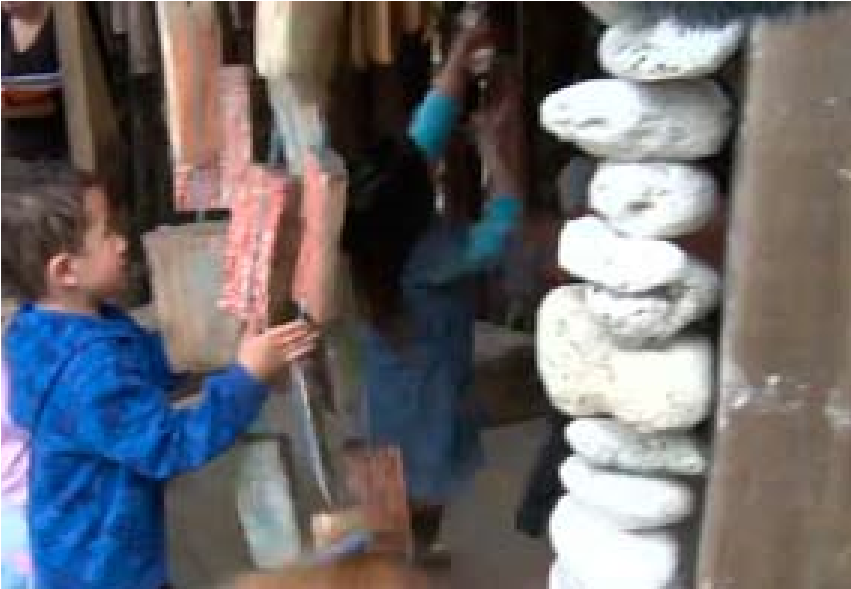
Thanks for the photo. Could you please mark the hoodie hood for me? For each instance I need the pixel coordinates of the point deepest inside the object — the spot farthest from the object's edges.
(39, 343)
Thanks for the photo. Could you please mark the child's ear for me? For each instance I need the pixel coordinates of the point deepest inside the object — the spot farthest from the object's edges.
(62, 271)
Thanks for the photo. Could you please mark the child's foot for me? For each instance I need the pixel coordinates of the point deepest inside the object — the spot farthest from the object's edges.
(435, 555)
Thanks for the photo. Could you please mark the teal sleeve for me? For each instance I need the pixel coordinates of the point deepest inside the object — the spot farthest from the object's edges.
(433, 122)
(486, 240)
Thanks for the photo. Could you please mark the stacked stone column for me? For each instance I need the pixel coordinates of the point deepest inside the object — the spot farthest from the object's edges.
(618, 351)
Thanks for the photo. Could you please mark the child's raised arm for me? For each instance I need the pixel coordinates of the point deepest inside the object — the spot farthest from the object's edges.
(437, 114)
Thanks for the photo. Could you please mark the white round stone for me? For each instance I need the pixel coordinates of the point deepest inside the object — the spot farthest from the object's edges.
(626, 120)
(589, 249)
(560, 578)
(607, 443)
(595, 555)
(627, 501)
(664, 50)
(585, 373)
(630, 320)
(655, 199)
(650, 319)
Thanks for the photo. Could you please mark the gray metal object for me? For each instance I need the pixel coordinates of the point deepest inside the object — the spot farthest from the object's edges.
(313, 424)
(311, 399)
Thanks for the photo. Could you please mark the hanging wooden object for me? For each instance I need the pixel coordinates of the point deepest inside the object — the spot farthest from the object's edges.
(118, 17)
(141, 37)
(297, 48)
(262, 244)
(375, 29)
(377, 482)
(186, 276)
(298, 38)
(190, 40)
(235, 103)
(323, 209)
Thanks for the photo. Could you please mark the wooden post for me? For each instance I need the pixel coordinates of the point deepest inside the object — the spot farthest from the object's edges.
(779, 500)
(91, 123)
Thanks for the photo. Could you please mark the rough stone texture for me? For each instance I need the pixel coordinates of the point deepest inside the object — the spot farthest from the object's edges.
(608, 443)
(627, 501)
(640, 320)
(585, 373)
(589, 249)
(626, 120)
(561, 578)
(636, 49)
(656, 200)
(599, 556)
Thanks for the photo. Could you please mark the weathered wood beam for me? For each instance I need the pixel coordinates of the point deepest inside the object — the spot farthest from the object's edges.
(89, 115)
(779, 500)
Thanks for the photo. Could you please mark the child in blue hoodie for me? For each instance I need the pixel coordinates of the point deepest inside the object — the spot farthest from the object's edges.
(91, 387)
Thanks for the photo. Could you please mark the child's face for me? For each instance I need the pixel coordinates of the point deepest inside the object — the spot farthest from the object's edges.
(102, 264)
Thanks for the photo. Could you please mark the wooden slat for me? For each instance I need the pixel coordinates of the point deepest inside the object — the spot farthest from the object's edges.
(779, 501)
(91, 123)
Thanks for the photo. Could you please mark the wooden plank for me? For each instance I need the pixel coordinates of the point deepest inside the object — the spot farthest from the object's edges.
(779, 500)
(91, 123)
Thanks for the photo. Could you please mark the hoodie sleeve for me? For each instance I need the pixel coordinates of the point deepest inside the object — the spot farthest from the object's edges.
(113, 409)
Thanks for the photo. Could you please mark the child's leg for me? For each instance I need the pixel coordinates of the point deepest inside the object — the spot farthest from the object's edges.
(16, 562)
(425, 524)
(543, 488)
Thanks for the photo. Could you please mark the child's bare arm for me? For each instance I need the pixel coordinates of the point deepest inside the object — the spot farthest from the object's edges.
(265, 353)
(436, 116)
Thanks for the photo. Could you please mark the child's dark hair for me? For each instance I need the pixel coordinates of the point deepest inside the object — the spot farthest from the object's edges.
(44, 214)
(391, 204)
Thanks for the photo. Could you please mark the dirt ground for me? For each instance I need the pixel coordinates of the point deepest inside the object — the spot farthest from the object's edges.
(487, 552)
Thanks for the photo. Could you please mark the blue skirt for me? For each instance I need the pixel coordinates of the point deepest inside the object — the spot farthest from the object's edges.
(435, 424)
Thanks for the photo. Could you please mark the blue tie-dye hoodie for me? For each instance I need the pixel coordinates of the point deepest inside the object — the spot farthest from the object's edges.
(93, 392)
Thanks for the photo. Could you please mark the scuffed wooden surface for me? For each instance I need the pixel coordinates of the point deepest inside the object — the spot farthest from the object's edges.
(779, 502)
(186, 276)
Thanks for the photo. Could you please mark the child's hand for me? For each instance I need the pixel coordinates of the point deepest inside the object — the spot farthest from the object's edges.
(500, 135)
(453, 76)
(468, 41)
(264, 354)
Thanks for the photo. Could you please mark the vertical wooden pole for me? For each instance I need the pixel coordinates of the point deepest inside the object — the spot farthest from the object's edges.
(779, 499)
(91, 123)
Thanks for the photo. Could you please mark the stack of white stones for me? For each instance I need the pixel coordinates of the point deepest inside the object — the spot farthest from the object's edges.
(612, 351)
